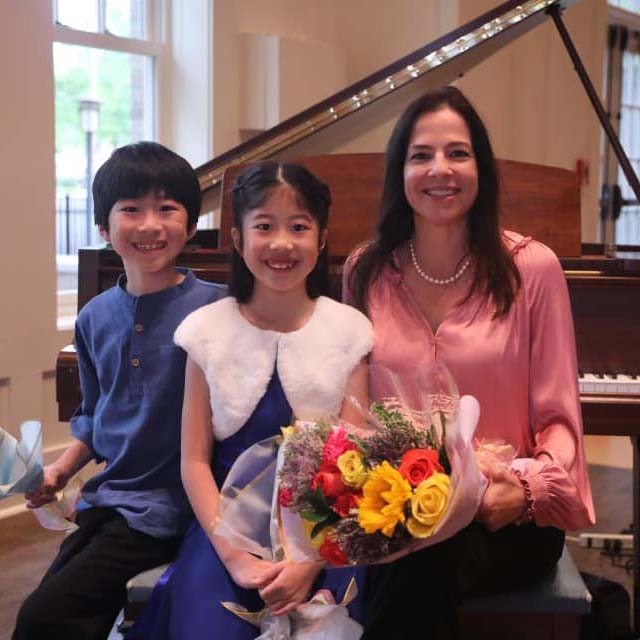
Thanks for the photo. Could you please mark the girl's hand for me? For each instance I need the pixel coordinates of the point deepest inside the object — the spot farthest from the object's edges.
(53, 480)
(291, 587)
(503, 501)
(250, 572)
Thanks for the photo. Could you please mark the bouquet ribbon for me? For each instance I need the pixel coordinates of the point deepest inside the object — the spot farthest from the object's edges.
(56, 515)
(321, 618)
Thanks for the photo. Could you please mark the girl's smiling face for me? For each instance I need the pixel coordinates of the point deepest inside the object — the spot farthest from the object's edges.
(280, 241)
(440, 170)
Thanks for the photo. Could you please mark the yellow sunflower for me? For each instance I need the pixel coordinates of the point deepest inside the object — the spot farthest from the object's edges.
(385, 494)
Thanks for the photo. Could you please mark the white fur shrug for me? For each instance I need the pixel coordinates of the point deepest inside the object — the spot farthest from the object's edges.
(238, 359)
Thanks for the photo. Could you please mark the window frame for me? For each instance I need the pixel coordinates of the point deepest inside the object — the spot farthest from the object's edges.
(617, 17)
(153, 45)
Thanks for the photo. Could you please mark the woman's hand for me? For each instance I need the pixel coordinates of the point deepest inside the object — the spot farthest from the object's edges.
(503, 501)
(250, 572)
(291, 587)
(53, 480)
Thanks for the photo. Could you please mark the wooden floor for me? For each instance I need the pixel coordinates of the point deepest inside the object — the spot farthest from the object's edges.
(26, 549)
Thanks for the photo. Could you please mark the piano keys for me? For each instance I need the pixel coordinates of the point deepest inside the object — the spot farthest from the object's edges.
(615, 384)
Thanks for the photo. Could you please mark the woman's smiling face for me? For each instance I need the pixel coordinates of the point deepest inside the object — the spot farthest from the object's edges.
(440, 170)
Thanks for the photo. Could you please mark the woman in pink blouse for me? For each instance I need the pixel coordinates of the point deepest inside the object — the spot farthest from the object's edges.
(443, 283)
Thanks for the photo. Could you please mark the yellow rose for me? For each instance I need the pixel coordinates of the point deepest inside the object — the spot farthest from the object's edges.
(352, 469)
(385, 494)
(318, 541)
(428, 505)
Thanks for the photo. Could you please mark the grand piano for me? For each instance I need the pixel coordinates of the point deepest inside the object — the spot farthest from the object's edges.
(604, 284)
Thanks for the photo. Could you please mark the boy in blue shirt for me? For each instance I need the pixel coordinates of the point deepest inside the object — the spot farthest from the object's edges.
(133, 513)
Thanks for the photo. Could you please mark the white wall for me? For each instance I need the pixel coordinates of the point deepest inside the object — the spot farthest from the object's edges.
(367, 36)
(29, 341)
(378, 32)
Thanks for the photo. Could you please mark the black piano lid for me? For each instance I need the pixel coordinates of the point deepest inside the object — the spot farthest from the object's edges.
(384, 94)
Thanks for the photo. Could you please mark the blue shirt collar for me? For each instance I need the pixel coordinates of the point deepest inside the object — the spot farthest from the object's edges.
(159, 297)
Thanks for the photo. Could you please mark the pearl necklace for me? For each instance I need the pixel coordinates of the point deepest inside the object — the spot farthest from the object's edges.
(439, 281)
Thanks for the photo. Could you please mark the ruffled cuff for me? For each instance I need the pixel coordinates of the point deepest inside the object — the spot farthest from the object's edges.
(556, 498)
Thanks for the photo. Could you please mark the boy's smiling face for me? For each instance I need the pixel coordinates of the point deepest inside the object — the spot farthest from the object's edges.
(148, 233)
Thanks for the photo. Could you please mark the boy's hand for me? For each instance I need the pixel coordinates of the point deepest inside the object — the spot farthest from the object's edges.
(291, 587)
(250, 572)
(53, 481)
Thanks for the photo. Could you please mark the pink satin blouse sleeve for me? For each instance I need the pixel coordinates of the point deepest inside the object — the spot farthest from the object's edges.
(522, 369)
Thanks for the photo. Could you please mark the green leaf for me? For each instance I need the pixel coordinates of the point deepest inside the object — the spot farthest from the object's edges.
(313, 516)
(317, 500)
(332, 518)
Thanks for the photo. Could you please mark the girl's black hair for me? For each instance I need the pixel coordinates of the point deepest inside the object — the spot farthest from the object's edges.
(496, 276)
(144, 167)
(251, 189)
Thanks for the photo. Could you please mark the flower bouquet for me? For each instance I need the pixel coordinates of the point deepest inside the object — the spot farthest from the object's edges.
(400, 476)
(406, 480)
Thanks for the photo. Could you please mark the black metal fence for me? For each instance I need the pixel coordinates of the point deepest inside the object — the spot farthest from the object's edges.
(74, 227)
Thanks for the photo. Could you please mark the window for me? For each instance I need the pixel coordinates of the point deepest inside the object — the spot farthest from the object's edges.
(623, 100)
(628, 5)
(106, 55)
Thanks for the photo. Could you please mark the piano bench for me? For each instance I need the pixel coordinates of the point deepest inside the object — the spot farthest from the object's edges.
(549, 610)
(139, 590)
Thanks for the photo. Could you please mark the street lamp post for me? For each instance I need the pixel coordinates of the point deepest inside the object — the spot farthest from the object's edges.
(89, 109)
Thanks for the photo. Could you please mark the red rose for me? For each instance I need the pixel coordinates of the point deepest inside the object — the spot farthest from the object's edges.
(417, 465)
(329, 479)
(285, 496)
(345, 502)
(337, 443)
(332, 553)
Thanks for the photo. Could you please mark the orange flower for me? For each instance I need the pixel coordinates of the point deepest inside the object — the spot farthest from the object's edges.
(417, 465)
(329, 479)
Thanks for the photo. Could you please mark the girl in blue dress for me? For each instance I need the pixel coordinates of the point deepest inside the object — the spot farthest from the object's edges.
(276, 348)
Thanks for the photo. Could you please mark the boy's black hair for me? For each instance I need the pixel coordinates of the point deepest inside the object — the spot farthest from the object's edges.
(251, 189)
(140, 168)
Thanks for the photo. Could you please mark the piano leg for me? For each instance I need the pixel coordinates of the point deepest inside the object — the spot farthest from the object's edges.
(635, 441)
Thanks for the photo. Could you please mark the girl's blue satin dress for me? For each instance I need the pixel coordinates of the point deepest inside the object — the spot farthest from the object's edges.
(185, 604)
